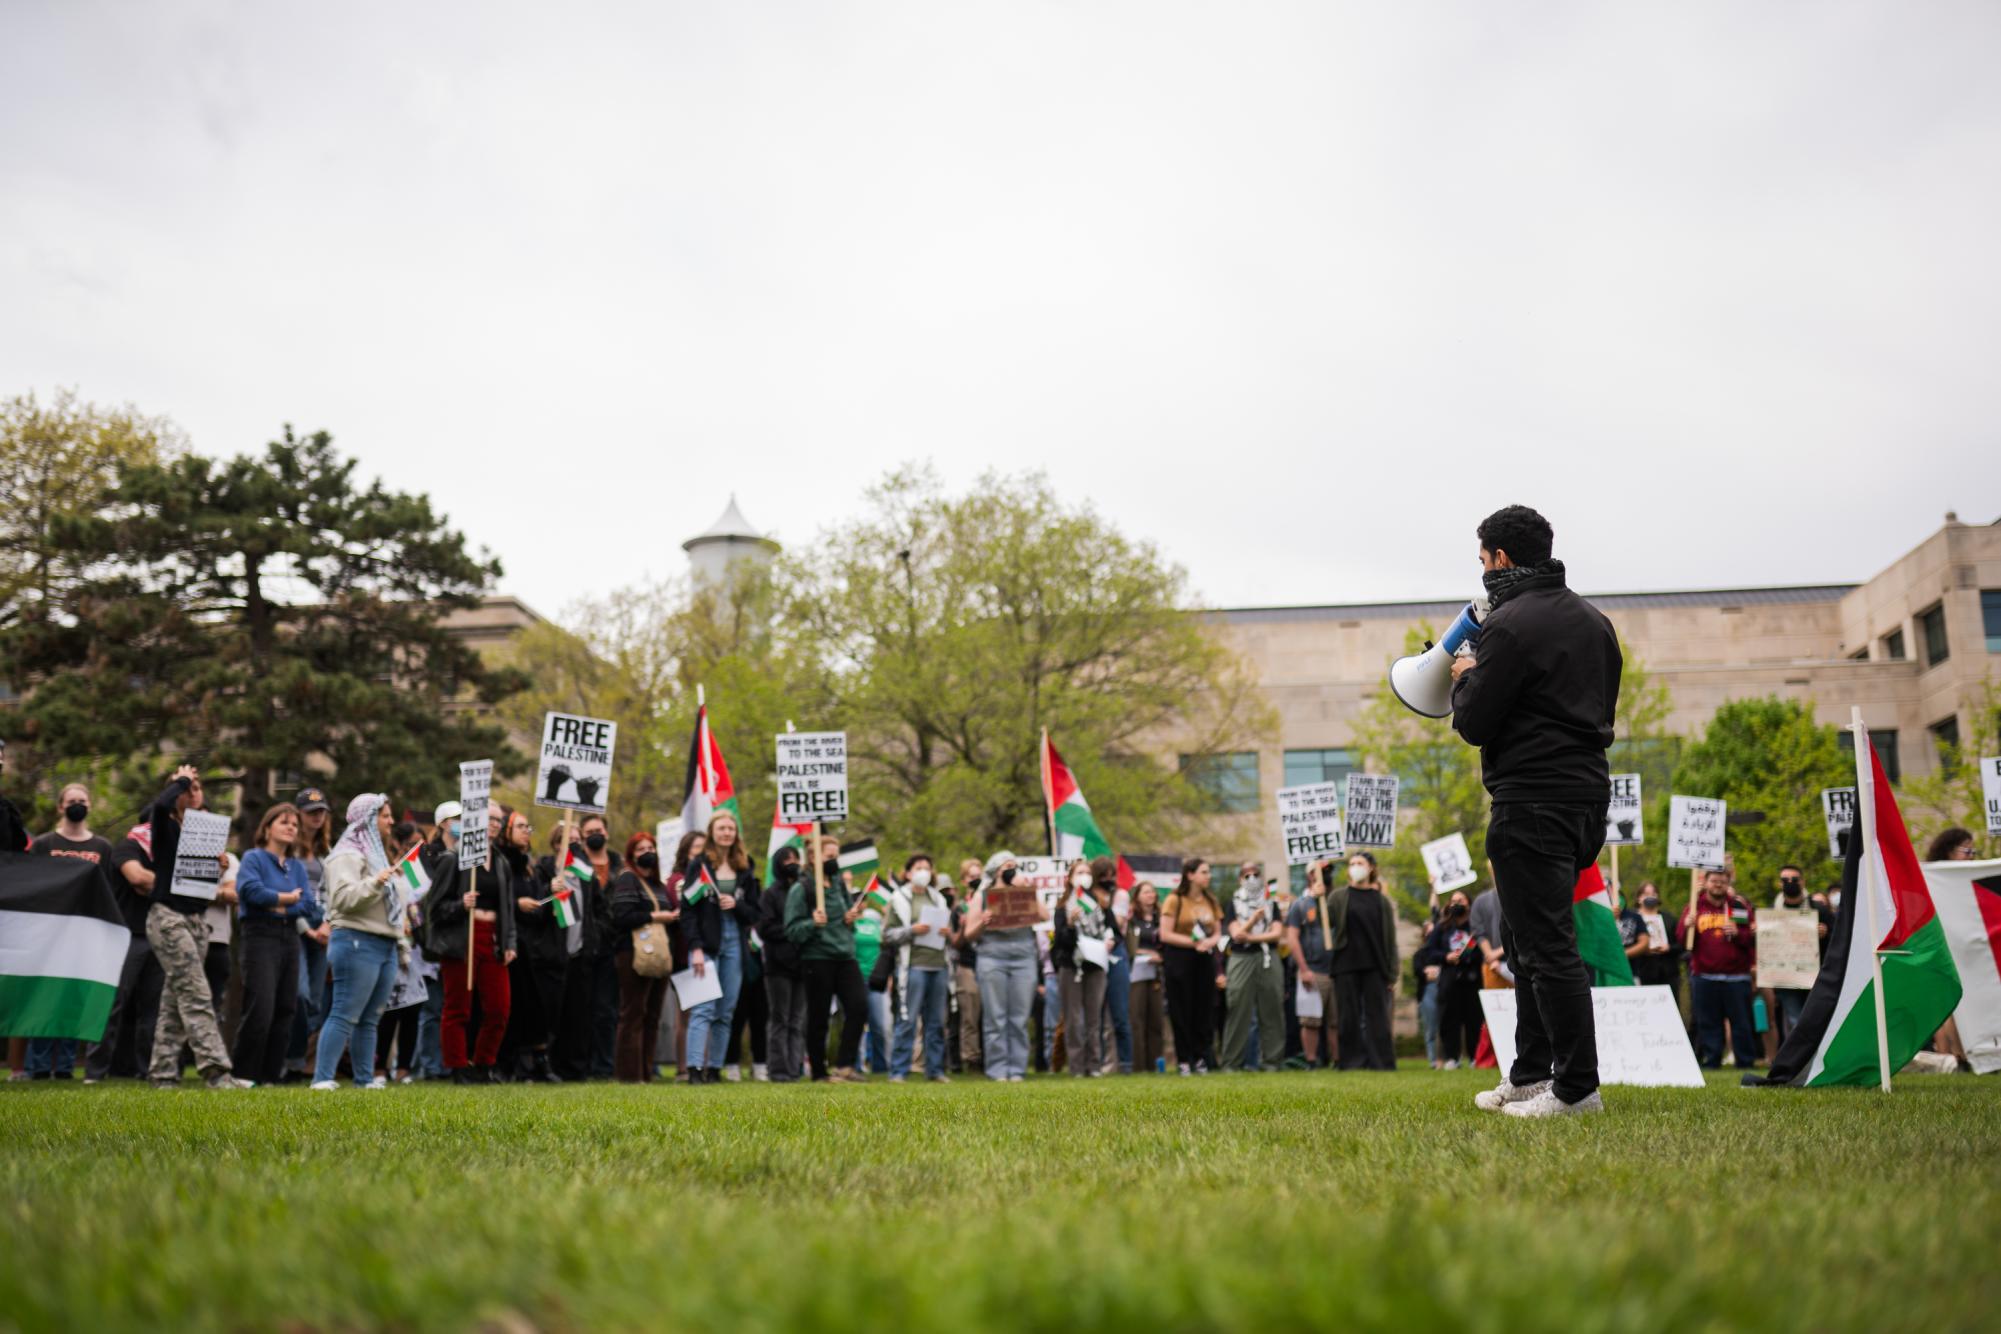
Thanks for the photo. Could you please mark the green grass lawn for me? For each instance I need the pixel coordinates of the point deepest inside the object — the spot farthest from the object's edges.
(1274, 1202)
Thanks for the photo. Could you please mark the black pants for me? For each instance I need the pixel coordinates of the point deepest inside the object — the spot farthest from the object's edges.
(750, 1017)
(535, 990)
(270, 994)
(1459, 1017)
(127, 1046)
(1362, 1000)
(570, 1052)
(1538, 851)
(401, 1026)
(829, 980)
(785, 996)
(1191, 1002)
(604, 1017)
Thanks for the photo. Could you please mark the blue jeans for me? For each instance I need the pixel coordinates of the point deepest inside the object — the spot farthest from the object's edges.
(1118, 999)
(1427, 1019)
(52, 1057)
(709, 1022)
(1714, 1000)
(430, 1026)
(364, 971)
(1007, 969)
(925, 999)
(876, 1058)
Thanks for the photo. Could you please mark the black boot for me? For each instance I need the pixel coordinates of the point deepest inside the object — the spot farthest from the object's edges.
(466, 1074)
(544, 1074)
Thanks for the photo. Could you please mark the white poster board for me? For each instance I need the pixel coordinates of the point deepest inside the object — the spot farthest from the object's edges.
(575, 768)
(1641, 1042)
(198, 856)
(1990, 791)
(1371, 811)
(1044, 875)
(1623, 826)
(475, 783)
(1696, 832)
(1449, 863)
(1837, 807)
(1309, 820)
(812, 777)
(1788, 948)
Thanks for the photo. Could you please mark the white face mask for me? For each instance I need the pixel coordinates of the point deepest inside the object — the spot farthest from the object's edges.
(921, 877)
(1084, 880)
(1358, 873)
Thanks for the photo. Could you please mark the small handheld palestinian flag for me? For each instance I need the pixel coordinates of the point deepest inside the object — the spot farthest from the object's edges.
(874, 895)
(577, 864)
(412, 873)
(699, 886)
(564, 905)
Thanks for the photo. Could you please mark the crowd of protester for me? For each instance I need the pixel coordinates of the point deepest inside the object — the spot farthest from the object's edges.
(358, 950)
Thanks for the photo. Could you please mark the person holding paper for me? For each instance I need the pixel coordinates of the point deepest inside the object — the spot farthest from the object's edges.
(1078, 948)
(1458, 960)
(1653, 946)
(719, 898)
(1148, 1005)
(919, 919)
(178, 933)
(1307, 942)
(1792, 897)
(1255, 976)
(1538, 697)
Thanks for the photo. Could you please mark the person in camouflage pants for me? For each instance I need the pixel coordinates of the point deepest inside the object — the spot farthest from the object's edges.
(187, 1010)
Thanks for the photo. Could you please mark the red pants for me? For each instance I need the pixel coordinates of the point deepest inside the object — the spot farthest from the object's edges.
(490, 985)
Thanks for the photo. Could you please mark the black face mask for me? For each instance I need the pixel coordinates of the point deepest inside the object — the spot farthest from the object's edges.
(1650, 902)
(75, 811)
(1459, 910)
(1791, 888)
(595, 842)
(648, 862)
(1007, 876)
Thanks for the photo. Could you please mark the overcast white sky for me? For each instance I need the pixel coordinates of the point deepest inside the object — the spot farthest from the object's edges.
(1298, 291)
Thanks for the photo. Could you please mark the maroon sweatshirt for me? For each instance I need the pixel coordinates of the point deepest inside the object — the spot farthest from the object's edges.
(1716, 953)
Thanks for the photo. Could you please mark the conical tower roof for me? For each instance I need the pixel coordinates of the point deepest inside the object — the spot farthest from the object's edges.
(730, 527)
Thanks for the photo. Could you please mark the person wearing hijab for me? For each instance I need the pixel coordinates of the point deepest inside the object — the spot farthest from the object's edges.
(367, 910)
(473, 909)
(1008, 963)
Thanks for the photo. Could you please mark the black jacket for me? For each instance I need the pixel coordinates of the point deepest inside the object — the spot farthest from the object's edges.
(702, 922)
(633, 907)
(1540, 702)
(445, 911)
(597, 936)
(167, 843)
(542, 941)
(781, 956)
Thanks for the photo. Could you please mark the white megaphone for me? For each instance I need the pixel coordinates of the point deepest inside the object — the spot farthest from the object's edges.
(1423, 681)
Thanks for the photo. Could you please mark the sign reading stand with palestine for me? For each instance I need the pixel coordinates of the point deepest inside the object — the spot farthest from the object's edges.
(575, 773)
(1623, 825)
(1309, 820)
(812, 777)
(1696, 832)
(1990, 791)
(1372, 811)
(1837, 804)
(475, 783)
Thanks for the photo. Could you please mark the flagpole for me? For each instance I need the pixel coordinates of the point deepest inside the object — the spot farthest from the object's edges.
(1865, 881)
(1048, 794)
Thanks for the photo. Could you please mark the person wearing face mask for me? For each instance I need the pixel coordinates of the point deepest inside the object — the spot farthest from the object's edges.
(1365, 966)
(539, 975)
(1118, 978)
(826, 940)
(444, 843)
(965, 969)
(1082, 928)
(1652, 946)
(1256, 975)
(1457, 957)
(918, 913)
(1191, 930)
(1792, 897)
(638, 898)
(784, 982)
(469, 910)
(55, 1058)
(1008, 964)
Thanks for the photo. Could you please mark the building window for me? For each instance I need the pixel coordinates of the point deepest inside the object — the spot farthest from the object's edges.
(1231, 780)
(1859, 655)
(1945, 735)
(1893, 646)
(1884, 741)
(1990, 617)
(1319, 766)
(1931, 628)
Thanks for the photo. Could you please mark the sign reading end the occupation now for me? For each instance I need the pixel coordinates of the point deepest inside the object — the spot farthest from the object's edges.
(575, 772)
(812, 777)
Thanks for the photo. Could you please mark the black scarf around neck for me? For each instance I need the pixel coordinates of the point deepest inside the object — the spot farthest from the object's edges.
(1517, 579)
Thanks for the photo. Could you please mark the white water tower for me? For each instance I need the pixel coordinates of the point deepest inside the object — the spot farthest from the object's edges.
(716, 553)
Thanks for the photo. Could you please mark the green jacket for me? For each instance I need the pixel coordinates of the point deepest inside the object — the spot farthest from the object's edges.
(1337, 909)
(835, 940)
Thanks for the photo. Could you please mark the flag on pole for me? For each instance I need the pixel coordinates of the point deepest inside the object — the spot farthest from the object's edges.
(577, 862)
(1598, 938)
(874, 895)
(709, 787)
(860, 859)
(1076, 829)
(411, 872)
(62, 944)
(785, 836)
(1968, 898)
(564, 907)
(1838, 1039)
(699, 884)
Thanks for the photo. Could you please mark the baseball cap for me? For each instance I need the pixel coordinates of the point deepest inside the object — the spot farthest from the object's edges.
(312, 799)
(448, 810)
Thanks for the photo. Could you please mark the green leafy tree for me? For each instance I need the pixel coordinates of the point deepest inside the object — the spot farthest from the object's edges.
(1644, 746)
(265, 614)
(1952, 794)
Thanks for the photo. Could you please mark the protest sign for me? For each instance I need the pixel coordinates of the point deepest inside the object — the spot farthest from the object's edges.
(1695, 832)
(1641, 1041)
(1990, 791)
(575, 769)
(1623, 825)
(198, 856)
(812, 777)
(1372, 811)
(1309, 820)
(1837, 806)
(1449, 863)
(1788, 948)
(475, 783)
(1009, 906)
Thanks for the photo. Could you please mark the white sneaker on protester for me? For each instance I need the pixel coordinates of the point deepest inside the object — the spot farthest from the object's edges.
(377, 1083)
(326, 1086)
(223, 1080)
(1547, 1103)
(760, 1074)
(1498, 1099)
(733, 1073)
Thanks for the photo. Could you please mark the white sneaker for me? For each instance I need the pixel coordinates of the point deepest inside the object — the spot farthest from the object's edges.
(1498, 1099)
(1450, 1065)
(1183, 1068)
(377, 1083)
(327, 1086)
(228, 1081)
(760, 1074)
(733, 1073)
(1547, 1103)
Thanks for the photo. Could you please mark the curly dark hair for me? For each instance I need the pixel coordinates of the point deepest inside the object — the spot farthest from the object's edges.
(1518, 530)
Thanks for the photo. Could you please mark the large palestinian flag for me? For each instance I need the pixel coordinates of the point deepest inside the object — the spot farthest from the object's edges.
(1837, 1038)
(1968, 898)
(1076, 830)
(1598, 937)
(62, 944)
(709, 786)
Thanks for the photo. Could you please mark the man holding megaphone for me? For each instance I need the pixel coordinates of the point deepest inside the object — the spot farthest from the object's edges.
(1537, 692)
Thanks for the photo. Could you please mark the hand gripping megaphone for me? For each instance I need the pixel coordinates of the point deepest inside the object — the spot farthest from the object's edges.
(1423, 681)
